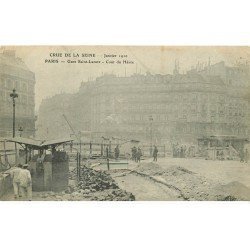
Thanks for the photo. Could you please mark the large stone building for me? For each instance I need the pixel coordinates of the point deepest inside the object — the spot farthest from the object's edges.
(207, 100)
(14, 74)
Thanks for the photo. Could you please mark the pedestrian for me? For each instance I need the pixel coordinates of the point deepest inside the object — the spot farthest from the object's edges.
(241, 154)
(246, 155)
(117, 152)
(155, 153)
(107, 152)
(181, 152)
(134, 152)
(25, 182)
(138, 155)
(15, 173)
(177, 153)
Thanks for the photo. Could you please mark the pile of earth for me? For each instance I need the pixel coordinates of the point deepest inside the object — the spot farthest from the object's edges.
(235, 191)
(95, 180)
(191, 185)
(93, 185)
(152, 168)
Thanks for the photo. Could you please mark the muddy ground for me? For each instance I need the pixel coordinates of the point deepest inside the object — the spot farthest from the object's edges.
(167, 180)
(152, 181)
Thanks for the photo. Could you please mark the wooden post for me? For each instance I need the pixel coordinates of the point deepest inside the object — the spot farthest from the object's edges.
(107, 155)
(26, 154)
(108, 163)
(15, 153)
(77, 163)
(90, 148)
(5, 153)
(79, 170)
(109, 148)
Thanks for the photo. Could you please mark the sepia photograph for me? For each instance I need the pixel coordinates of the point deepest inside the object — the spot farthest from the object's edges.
(124, 123)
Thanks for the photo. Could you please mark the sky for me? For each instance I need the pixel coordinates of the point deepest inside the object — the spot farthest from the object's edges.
(55, 78)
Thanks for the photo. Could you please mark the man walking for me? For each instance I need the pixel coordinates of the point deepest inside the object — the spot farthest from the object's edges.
(14, 173)
(139, 154)
(155, 153)
(134, 152)
(117, 152)
(25, 182)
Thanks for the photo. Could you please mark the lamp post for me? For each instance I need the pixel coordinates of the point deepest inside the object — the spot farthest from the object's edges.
(14, 95)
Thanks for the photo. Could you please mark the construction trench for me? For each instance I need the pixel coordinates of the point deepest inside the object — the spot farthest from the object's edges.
(103, 179)
(145, 182)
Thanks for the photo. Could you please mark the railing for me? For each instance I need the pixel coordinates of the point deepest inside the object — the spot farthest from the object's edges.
(94, 149)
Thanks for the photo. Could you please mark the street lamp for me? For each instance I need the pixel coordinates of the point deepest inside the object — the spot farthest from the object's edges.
(14, 95)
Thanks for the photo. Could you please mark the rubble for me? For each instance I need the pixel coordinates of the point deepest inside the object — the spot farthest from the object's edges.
(95, 180)
(102, 185)
(94, 185)
(235, 191)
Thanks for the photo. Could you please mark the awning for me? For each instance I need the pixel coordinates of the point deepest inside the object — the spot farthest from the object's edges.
(38, 144)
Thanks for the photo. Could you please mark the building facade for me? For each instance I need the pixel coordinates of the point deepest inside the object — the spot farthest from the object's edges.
(207, 100)
(14, 74)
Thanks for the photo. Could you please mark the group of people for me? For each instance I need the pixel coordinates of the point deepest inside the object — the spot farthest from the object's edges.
(136, 154)
(179, 151)
(22, 182)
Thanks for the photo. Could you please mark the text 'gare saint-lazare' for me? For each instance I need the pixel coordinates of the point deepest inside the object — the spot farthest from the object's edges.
(73, 56)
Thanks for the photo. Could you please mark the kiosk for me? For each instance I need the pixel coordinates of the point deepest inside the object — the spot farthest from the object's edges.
(49, 166)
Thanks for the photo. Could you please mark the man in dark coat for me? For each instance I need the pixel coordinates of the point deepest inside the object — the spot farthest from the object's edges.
(155, 153)
(134, 153)
(138, 155)
(117, 152)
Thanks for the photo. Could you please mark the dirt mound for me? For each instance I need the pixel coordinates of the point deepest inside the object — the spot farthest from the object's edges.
(236, 190)
(193, 186)
(150, 168)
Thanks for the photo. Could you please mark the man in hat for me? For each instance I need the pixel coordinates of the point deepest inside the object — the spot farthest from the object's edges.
(25, 182)
(155, 153)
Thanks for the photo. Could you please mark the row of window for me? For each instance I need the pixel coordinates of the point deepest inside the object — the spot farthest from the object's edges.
(209, 118)
(168, 98)
(18, 85)
(20, 110)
